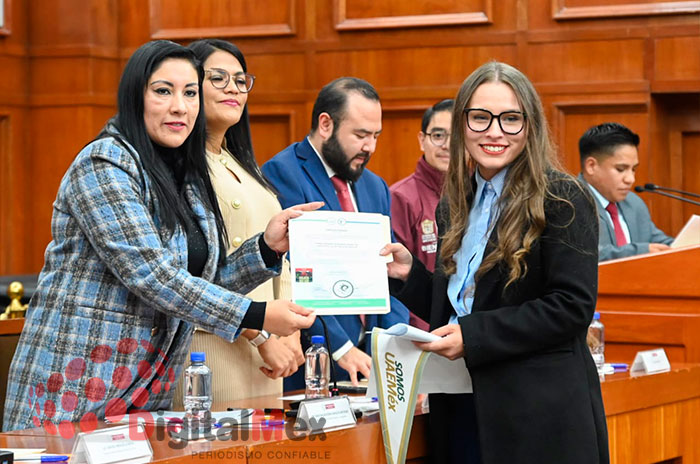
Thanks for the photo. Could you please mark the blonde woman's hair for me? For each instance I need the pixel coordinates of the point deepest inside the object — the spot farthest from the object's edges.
(522, 216)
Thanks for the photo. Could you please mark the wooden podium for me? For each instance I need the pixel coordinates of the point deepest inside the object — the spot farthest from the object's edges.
(651, 301)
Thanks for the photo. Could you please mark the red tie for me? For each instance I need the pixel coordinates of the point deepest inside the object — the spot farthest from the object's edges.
(341, 188)
(619, 234)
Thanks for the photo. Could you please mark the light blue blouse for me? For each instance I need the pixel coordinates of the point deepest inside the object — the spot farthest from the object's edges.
(482, 218)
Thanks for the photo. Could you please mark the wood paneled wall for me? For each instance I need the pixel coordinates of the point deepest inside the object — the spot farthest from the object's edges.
(632, 61)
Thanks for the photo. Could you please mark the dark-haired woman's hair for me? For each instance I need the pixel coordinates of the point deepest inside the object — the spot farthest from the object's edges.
(169, 169)
(237, 137)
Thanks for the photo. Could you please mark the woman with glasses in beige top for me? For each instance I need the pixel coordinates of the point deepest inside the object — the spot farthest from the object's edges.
(255, 364)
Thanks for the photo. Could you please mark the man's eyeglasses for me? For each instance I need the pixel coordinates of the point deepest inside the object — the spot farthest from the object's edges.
(510, 122)
(220, 78)
(438, 137)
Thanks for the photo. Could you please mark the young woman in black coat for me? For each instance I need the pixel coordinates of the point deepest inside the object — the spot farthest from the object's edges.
(514, 289)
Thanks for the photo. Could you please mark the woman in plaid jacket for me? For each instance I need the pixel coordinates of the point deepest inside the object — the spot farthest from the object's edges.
(137, 260)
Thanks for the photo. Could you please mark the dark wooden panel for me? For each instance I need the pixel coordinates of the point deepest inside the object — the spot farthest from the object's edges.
(397, 148)
(572, 118)
(9, 337)
(15, 174)
(72, 23)
(13, 84)
(7, 218)
(59, 132)
(272, 131)
(373, 14)
(677, 59)
(278, 73)
(587, 62)
(185, 19)
(580, 9)
(690, 162)
(675, 124)
(409, 68)
(95, 86)
(587, 70)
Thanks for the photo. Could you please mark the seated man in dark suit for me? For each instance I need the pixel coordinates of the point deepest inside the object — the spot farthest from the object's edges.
(609, 159)
(329, 166)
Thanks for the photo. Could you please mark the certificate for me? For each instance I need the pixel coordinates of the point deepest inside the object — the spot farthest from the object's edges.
(335, 262)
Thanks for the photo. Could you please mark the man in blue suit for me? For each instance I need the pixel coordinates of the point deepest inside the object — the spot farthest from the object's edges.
(609, 160)
(329, 166)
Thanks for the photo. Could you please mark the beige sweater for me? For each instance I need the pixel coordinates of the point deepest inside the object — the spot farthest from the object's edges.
(246, 207)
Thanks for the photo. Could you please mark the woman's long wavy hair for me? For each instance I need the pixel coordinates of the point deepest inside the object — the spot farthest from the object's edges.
(169, 169)
(237, 137)
(522, 216)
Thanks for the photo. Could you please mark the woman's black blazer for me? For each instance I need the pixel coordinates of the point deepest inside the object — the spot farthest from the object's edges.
(536, 389)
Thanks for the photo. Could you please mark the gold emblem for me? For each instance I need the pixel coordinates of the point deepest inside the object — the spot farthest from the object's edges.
(428, 226)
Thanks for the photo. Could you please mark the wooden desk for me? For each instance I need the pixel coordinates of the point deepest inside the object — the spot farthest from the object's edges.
(10, 331)
(654, 418)
(651, 301)
(651, 419)
(280, 445)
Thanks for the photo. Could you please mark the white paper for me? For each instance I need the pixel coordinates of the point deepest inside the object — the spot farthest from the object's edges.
(689, 234)
(335, 262)
(650, 362)
(25, 453)
(410, 333)
(325, 414)
(364, 404)
(115, 444)
(297, 397)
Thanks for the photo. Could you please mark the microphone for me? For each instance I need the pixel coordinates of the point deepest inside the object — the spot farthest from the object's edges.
(640, 189)
(652, 187)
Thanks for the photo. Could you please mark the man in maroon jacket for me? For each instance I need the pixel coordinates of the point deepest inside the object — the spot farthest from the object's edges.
(414, 199)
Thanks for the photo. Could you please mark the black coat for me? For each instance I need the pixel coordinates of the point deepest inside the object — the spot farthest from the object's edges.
(536, 390)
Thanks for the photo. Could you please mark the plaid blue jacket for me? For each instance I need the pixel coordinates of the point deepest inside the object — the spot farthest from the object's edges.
(111, 321)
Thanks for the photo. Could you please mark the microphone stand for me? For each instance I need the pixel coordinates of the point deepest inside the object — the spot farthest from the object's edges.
(655, 187)
(640, 189)
(334, 388)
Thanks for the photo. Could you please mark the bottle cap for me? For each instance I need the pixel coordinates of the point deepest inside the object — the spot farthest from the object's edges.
(318, 339)
(596, 316)
(198, 356)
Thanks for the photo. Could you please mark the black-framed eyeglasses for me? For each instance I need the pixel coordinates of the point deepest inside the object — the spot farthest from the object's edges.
(510, 122)
(220, 78)
(438, 137)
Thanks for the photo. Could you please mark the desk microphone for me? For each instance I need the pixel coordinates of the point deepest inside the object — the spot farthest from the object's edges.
(652, 187)
(640, 189)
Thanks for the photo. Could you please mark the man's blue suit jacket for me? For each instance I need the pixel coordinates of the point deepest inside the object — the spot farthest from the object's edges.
(299, 177)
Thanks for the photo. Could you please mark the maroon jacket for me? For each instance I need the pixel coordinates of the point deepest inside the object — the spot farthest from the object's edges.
(413, 203)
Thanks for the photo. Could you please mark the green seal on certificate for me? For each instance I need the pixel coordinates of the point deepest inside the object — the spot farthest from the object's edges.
(343, 289)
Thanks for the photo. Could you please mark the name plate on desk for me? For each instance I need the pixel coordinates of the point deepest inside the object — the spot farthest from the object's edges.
(650, 362)
(126, 443)
(325, 414)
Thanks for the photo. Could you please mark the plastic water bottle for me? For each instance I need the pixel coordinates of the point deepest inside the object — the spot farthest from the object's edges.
(596, 342)
(317, 368)
(197, 397)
